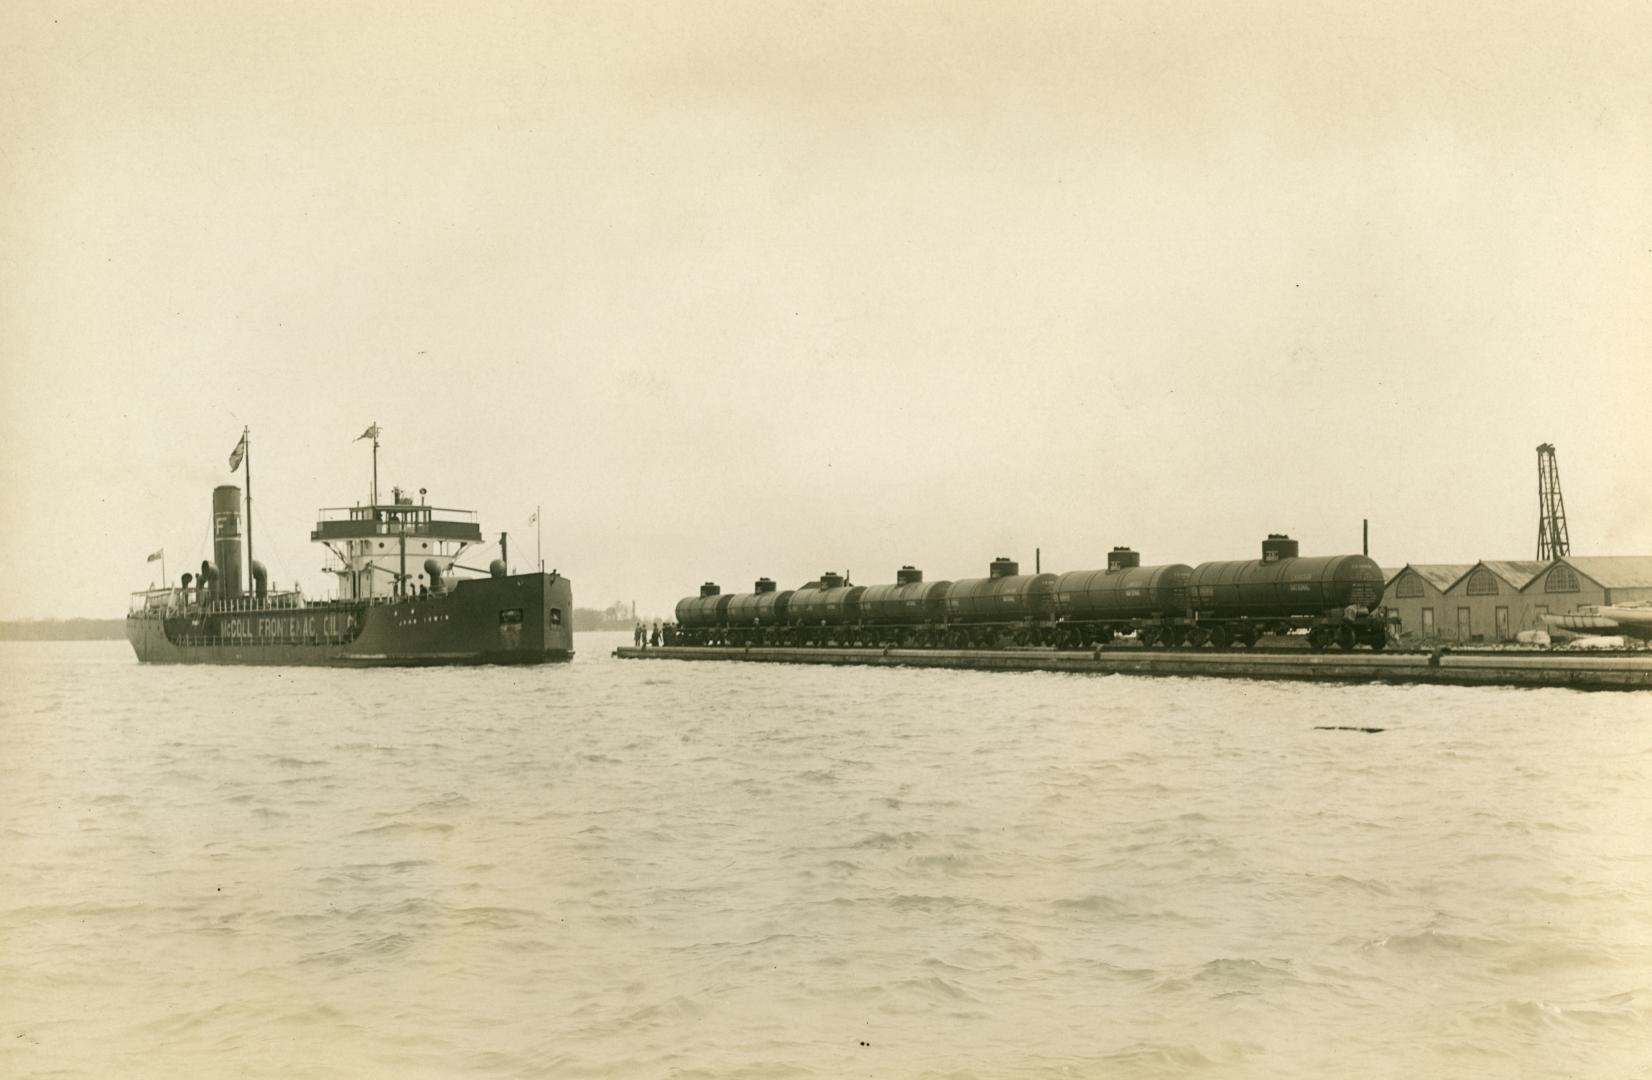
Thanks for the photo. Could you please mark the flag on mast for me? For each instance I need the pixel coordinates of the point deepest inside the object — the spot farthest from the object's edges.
(533, 518)
(159, 553)
(238, 453)
(370, 433)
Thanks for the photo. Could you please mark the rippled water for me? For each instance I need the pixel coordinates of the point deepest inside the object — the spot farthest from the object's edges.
(623, 869)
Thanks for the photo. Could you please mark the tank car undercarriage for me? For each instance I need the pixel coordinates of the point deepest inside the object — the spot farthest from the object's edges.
(1339, 631)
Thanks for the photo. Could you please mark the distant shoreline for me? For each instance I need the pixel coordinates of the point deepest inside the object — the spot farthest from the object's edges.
(62, 629)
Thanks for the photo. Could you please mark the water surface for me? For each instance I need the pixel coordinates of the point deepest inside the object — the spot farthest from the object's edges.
(619, 869)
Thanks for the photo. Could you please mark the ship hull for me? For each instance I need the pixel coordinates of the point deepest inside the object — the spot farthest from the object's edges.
(517, 619)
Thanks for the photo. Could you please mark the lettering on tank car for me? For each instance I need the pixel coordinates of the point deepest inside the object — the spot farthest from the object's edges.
(1295, 587)
(1132, 594)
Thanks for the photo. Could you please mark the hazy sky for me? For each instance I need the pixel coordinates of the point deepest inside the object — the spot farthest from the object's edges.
(757, 289)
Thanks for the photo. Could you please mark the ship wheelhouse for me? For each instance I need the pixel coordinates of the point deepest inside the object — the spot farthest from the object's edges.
(396, 549)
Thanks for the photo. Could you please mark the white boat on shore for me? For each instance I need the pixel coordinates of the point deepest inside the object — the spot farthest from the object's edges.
(1629, 620)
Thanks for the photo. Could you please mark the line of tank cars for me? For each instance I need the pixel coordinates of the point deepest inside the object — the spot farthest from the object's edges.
(1334, 599)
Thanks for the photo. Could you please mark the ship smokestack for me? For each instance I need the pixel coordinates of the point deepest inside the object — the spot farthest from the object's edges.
(226, 540)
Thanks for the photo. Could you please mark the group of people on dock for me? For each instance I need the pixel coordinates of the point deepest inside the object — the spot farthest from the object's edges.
(660, 635)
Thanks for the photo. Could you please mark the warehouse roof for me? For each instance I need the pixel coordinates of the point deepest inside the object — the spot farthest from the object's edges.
(1440, 575)
(1614, 571)
(1517, 572)
(1389, 573)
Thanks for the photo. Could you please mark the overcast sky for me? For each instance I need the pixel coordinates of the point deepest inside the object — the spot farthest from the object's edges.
(734, 290)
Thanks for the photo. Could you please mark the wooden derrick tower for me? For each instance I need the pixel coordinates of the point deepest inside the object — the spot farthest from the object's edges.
(1552, 542)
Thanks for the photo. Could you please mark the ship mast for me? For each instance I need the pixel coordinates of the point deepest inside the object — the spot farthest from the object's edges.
(373, 433)
(246, 448)
(237, 457)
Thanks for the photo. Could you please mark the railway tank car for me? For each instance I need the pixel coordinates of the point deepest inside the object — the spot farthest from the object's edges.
(701, 620)
(825, 612)
(755, 618)
(911, 612)
(1334, 597)
(1006, 604)
(1093, 606)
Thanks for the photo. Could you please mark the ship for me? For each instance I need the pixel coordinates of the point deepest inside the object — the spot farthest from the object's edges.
(401, 598)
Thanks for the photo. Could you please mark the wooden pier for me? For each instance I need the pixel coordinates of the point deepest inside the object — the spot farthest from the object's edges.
(1575, 670)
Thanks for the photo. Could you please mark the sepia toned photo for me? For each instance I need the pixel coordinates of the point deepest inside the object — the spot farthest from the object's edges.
(746, 540)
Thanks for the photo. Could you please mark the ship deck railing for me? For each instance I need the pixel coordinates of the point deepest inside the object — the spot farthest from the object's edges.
(399, 520)
(177, 601)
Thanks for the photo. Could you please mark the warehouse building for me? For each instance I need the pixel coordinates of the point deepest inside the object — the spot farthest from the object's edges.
(1488, 604)
(1417, 594)
(1576, 581)
(1494, 599)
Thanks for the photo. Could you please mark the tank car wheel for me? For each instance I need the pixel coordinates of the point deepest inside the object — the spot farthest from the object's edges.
(1148, 636)
(1377, 637)
(1220, 637)
(1346, 638)
(1103, 637)
(1247, 636)
(1319, 638)
(1196, 636)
